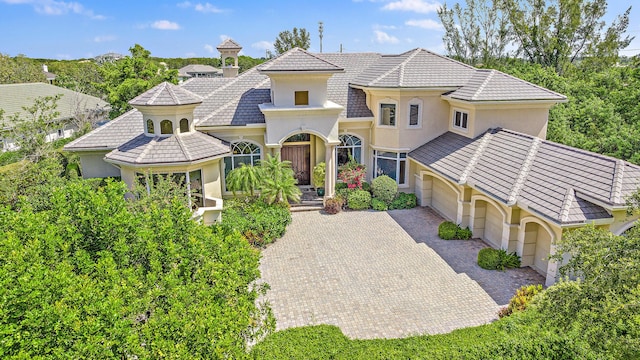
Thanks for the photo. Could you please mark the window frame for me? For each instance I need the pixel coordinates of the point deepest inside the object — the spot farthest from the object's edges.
(162, 130)
(400, 157)
(419, 103)
(464, 120)
(385, 103)
(153, 127)
(254, 160)
(350, 147)
(304, 94)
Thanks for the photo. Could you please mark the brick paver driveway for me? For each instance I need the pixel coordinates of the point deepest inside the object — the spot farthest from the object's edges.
(363, 273)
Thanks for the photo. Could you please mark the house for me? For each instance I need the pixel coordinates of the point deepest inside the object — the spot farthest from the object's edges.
(51, 77)
(198, 71)
(469, 142)
(71, 106)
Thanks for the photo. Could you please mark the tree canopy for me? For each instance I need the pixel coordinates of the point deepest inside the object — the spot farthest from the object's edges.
(288, 40)
(20, 69)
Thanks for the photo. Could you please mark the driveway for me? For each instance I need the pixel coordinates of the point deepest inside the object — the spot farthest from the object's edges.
(362, 272)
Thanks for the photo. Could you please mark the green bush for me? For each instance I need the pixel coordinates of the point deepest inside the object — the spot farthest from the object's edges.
(259, 222)
(521, 299)
(384, 188)
(366, 186)
(464, 234)
(359, 200)
(493, 259)
(404, 201)
(378, 205)
(341, 185)
(450, 231)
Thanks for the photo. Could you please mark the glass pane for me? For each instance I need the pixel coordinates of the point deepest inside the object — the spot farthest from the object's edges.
(357, 154)
(403, 155)
(464, 120)
(413, 114)
(299, 137)
(150, 129)
(388, 114)
(166, 127)
(456, 121)
(184, 126)
(403, 168)
(386, 167)
(302, 98)
(388, 154)
(241, 159)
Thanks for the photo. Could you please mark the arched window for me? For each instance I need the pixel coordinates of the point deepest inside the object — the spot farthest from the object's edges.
(166, 127)
(184, 126)
(242, 152)
(150, 129)
(350, 147)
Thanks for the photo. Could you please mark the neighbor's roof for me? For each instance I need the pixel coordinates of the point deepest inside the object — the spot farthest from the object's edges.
(181, 148)
(299, 60)
(185, 71)
(14, 96)
(564, 184)
(229, 44)
(493, 85)
(418, 68)
(166, 94)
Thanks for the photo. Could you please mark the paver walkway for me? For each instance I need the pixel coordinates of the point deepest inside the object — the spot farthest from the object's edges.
(363, 273)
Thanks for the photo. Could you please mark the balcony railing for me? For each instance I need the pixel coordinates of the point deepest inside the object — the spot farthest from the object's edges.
(210, 213)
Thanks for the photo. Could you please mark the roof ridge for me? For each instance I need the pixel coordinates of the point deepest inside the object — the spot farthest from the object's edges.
(403, 63)
(530, 83)
(569, 197)
(486, 138)
(393, 68)
(173, 94)
(233, 81)
(185, 151)
(156, 94)
(102, 127)
(146, 149)
(524, 171)
(484, 84)
(616, 189)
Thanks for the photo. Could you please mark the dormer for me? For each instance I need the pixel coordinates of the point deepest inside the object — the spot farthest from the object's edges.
(299, 79)
(167, 109)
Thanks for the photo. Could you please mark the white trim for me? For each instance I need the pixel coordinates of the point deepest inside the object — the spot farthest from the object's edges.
(387, 101)
(453, 120)
(419, 102)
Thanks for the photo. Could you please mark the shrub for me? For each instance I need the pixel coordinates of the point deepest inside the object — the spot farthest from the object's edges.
(464, 234)
(447, 230)
(352, 174)
(259, 222)
(341, 186)
(359, 200)
(333, 205)
(384, 188)
(366, 186)
(378, 205)
(404, 201)
(493, 259)
(521, 299)
(319, 172)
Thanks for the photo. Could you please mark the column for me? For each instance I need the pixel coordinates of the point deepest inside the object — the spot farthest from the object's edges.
(330, 170)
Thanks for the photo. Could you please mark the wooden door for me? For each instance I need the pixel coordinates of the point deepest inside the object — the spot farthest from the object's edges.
(300, 157)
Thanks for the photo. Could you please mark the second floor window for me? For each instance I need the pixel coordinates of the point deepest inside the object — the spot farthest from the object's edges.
(460, 120)
(302, 98)
(388, 114)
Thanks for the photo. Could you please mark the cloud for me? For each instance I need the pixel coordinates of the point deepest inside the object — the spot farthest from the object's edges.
(384, 38)
(104, 38)
(52, 7)
(165, 25)
(418, 6)
(384, 27)
(184, 4)
(203, 8)
(209, 48)
(262, 45)
(425, 24)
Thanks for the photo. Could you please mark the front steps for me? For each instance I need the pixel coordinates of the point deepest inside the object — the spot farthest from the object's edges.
(309, 201)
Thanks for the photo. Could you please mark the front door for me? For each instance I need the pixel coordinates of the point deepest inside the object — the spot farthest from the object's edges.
(300, 157)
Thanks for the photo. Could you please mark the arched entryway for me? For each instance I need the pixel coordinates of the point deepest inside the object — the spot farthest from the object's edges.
(298, 149)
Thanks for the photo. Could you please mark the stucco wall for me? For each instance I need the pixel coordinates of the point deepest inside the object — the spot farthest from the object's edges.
(531, 121)
(94, 166)
(284, 86)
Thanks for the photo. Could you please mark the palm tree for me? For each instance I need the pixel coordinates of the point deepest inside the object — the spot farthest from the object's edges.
(245, 178)
(278, 183)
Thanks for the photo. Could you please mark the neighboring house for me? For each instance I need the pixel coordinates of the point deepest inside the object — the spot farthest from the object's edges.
(198, 71)
(51, 77)
(468, 142)
(71, 105)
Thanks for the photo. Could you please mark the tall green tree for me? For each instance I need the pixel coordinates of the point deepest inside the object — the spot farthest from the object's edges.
(476, 34)
(557, 33)
(131, 76)
(20, 69)
(278, 180)
(288, 40)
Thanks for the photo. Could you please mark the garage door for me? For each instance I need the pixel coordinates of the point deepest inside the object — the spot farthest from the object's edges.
(493, 226)
(543, 247)
(444, 199)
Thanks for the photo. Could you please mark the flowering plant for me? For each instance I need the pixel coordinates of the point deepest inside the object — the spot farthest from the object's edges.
(352, 174)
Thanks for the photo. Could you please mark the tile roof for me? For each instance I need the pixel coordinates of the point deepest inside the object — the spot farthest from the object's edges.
(299, 60)
(14, 96)
(180, 148)
(418, 68)
(556, 181)
(185, 71)
(493, 85)
(166, 94)
(229, 44)
(110, 135)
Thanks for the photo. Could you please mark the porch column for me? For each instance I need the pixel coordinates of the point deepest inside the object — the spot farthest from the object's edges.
(330, 170)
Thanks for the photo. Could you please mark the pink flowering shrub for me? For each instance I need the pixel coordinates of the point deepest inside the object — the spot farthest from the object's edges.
(352, 174)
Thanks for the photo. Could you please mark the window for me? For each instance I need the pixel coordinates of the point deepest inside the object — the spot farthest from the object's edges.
(350, 147)
(150, 127)
(415, 113)
(192, 183)
(60, 133)
(166, 127)
(392, 164)
(304, 137)
(242, 152)
(460, 120)
(184, 126)
(302, 98)
(388, 114)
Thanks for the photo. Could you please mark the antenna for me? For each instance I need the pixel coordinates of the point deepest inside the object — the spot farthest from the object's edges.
(320, 29)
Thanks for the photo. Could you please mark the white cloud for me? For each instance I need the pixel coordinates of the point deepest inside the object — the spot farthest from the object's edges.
(165, 25)
(184, 4)
(207, 8)
(224, 37)
(262, 45)
(104, 38)
(425, 24)
(384, 27)
(52, 7)
(418, 6)
(209, 48)
(384, 38)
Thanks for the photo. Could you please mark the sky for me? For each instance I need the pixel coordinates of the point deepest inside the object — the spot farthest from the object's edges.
(86, 28)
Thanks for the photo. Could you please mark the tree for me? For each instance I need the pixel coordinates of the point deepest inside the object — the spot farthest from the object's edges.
(562, 32)
(20, 70)
(288, 40)
(477, 34)
(246, 178)
(278, 180)
(131, 76)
